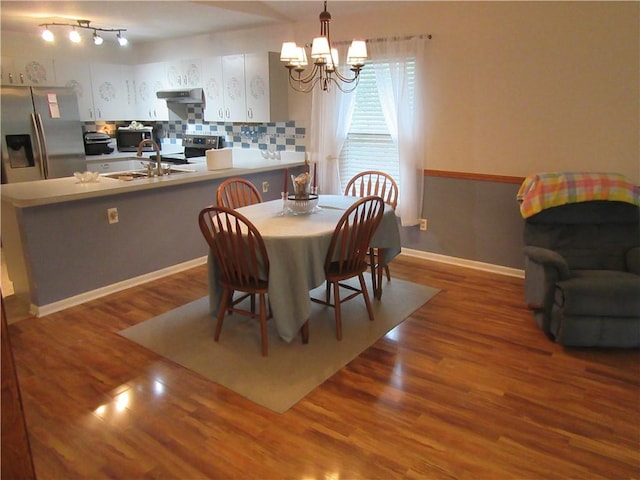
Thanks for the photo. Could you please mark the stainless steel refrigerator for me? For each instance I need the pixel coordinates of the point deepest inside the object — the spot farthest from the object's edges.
(41, 133)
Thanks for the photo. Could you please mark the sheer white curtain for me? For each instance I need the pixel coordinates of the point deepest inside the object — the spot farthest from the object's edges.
(404, 115)
(331, 114)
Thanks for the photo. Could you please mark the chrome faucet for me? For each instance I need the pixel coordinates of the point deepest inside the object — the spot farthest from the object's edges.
(148, 141)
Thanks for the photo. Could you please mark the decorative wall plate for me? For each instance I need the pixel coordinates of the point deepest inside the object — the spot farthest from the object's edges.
(36, 73)
(107, 91)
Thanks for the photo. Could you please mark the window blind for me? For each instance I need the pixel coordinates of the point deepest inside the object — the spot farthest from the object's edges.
(368, 145)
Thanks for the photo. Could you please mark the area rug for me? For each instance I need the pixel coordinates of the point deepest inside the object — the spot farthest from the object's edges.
(291, 370)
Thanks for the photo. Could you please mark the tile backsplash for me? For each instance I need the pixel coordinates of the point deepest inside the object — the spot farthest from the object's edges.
(278, 136)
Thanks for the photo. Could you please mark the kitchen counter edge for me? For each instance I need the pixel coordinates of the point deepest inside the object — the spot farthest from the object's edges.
(58, 190)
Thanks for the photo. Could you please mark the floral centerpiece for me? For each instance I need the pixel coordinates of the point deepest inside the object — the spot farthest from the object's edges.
(301, 186)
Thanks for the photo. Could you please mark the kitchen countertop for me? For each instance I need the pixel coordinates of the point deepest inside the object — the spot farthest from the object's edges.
(44, 192)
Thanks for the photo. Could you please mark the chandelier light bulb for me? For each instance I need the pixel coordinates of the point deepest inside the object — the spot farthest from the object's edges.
(289, 52)
(320, 47)
(357, 53)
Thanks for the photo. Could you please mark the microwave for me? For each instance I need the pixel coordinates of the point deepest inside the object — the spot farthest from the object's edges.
(128, 139)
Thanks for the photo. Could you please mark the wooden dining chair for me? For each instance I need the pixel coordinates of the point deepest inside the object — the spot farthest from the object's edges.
(374, 182)
(236, 193)
(241, 256)
(347, 254)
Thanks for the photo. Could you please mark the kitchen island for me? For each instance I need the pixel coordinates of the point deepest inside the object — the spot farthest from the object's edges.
(62, 250)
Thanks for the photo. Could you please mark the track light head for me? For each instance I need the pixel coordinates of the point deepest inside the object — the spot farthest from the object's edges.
(122, 41)
(74, 36)
(97, 39)
(47, 35)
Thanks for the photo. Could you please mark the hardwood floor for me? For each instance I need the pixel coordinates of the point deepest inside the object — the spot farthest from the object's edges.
(467, 388)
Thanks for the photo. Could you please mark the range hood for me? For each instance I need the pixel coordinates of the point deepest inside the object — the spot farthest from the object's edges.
(181, 95)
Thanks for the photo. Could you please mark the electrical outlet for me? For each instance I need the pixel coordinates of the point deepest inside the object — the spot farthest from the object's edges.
(112, 215)
(423, 224)
(265, 187)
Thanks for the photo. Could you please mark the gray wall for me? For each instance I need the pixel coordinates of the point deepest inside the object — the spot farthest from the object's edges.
(470, 219)
(71, 249)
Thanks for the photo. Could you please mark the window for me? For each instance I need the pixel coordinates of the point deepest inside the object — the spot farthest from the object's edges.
(369, 145)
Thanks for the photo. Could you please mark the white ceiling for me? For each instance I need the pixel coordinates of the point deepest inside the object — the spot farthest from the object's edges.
(146, 21)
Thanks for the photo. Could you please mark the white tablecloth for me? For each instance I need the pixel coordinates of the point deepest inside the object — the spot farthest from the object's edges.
(297, 246)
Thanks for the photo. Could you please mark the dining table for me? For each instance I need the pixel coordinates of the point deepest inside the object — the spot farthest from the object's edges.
(297, 245)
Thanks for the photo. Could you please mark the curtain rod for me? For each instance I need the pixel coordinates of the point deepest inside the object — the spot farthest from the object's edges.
(383, 39)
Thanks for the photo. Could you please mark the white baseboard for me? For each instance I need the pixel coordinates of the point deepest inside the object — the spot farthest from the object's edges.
(42, 310)
(463, 262)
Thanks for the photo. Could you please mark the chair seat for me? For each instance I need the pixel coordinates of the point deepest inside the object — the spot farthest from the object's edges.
(606, 293)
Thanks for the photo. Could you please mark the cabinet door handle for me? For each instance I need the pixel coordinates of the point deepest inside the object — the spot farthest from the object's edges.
(90, 113)
(220, 113)
(228, 113)
(22, 79)
(250, 113)
(11, 78)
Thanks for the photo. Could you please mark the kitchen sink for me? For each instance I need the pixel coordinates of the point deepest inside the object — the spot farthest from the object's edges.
(126, 175)
(136, 174)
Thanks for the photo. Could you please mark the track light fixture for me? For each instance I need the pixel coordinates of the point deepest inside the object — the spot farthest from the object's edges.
(74, 35)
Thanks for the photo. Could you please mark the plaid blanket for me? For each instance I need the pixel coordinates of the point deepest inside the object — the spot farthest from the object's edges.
(546, 190)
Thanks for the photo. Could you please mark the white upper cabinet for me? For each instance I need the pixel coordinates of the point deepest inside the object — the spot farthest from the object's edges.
(233, 90)
(77, 76)
(266, 87)
(131, 92)
(150, 78)
(184, 73)
(113, 91)
(245, 88)
(28, 71)
(213, 85)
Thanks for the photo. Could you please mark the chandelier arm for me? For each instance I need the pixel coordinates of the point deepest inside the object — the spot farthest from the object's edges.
(299, 88)
(307, 78)
(347, 79)
(346, 90)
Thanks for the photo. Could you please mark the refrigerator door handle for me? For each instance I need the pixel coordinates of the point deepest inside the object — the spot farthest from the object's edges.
(36, 119)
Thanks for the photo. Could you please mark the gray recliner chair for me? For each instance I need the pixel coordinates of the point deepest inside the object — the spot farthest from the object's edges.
(582, 273)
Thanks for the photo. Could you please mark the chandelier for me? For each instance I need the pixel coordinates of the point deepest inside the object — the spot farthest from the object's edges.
(325, 69)
(74, 35)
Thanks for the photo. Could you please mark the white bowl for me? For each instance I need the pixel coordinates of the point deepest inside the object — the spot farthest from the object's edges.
(87, 177)
(302, 206)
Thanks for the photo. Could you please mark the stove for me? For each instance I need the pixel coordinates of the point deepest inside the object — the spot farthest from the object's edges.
(195, 145)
